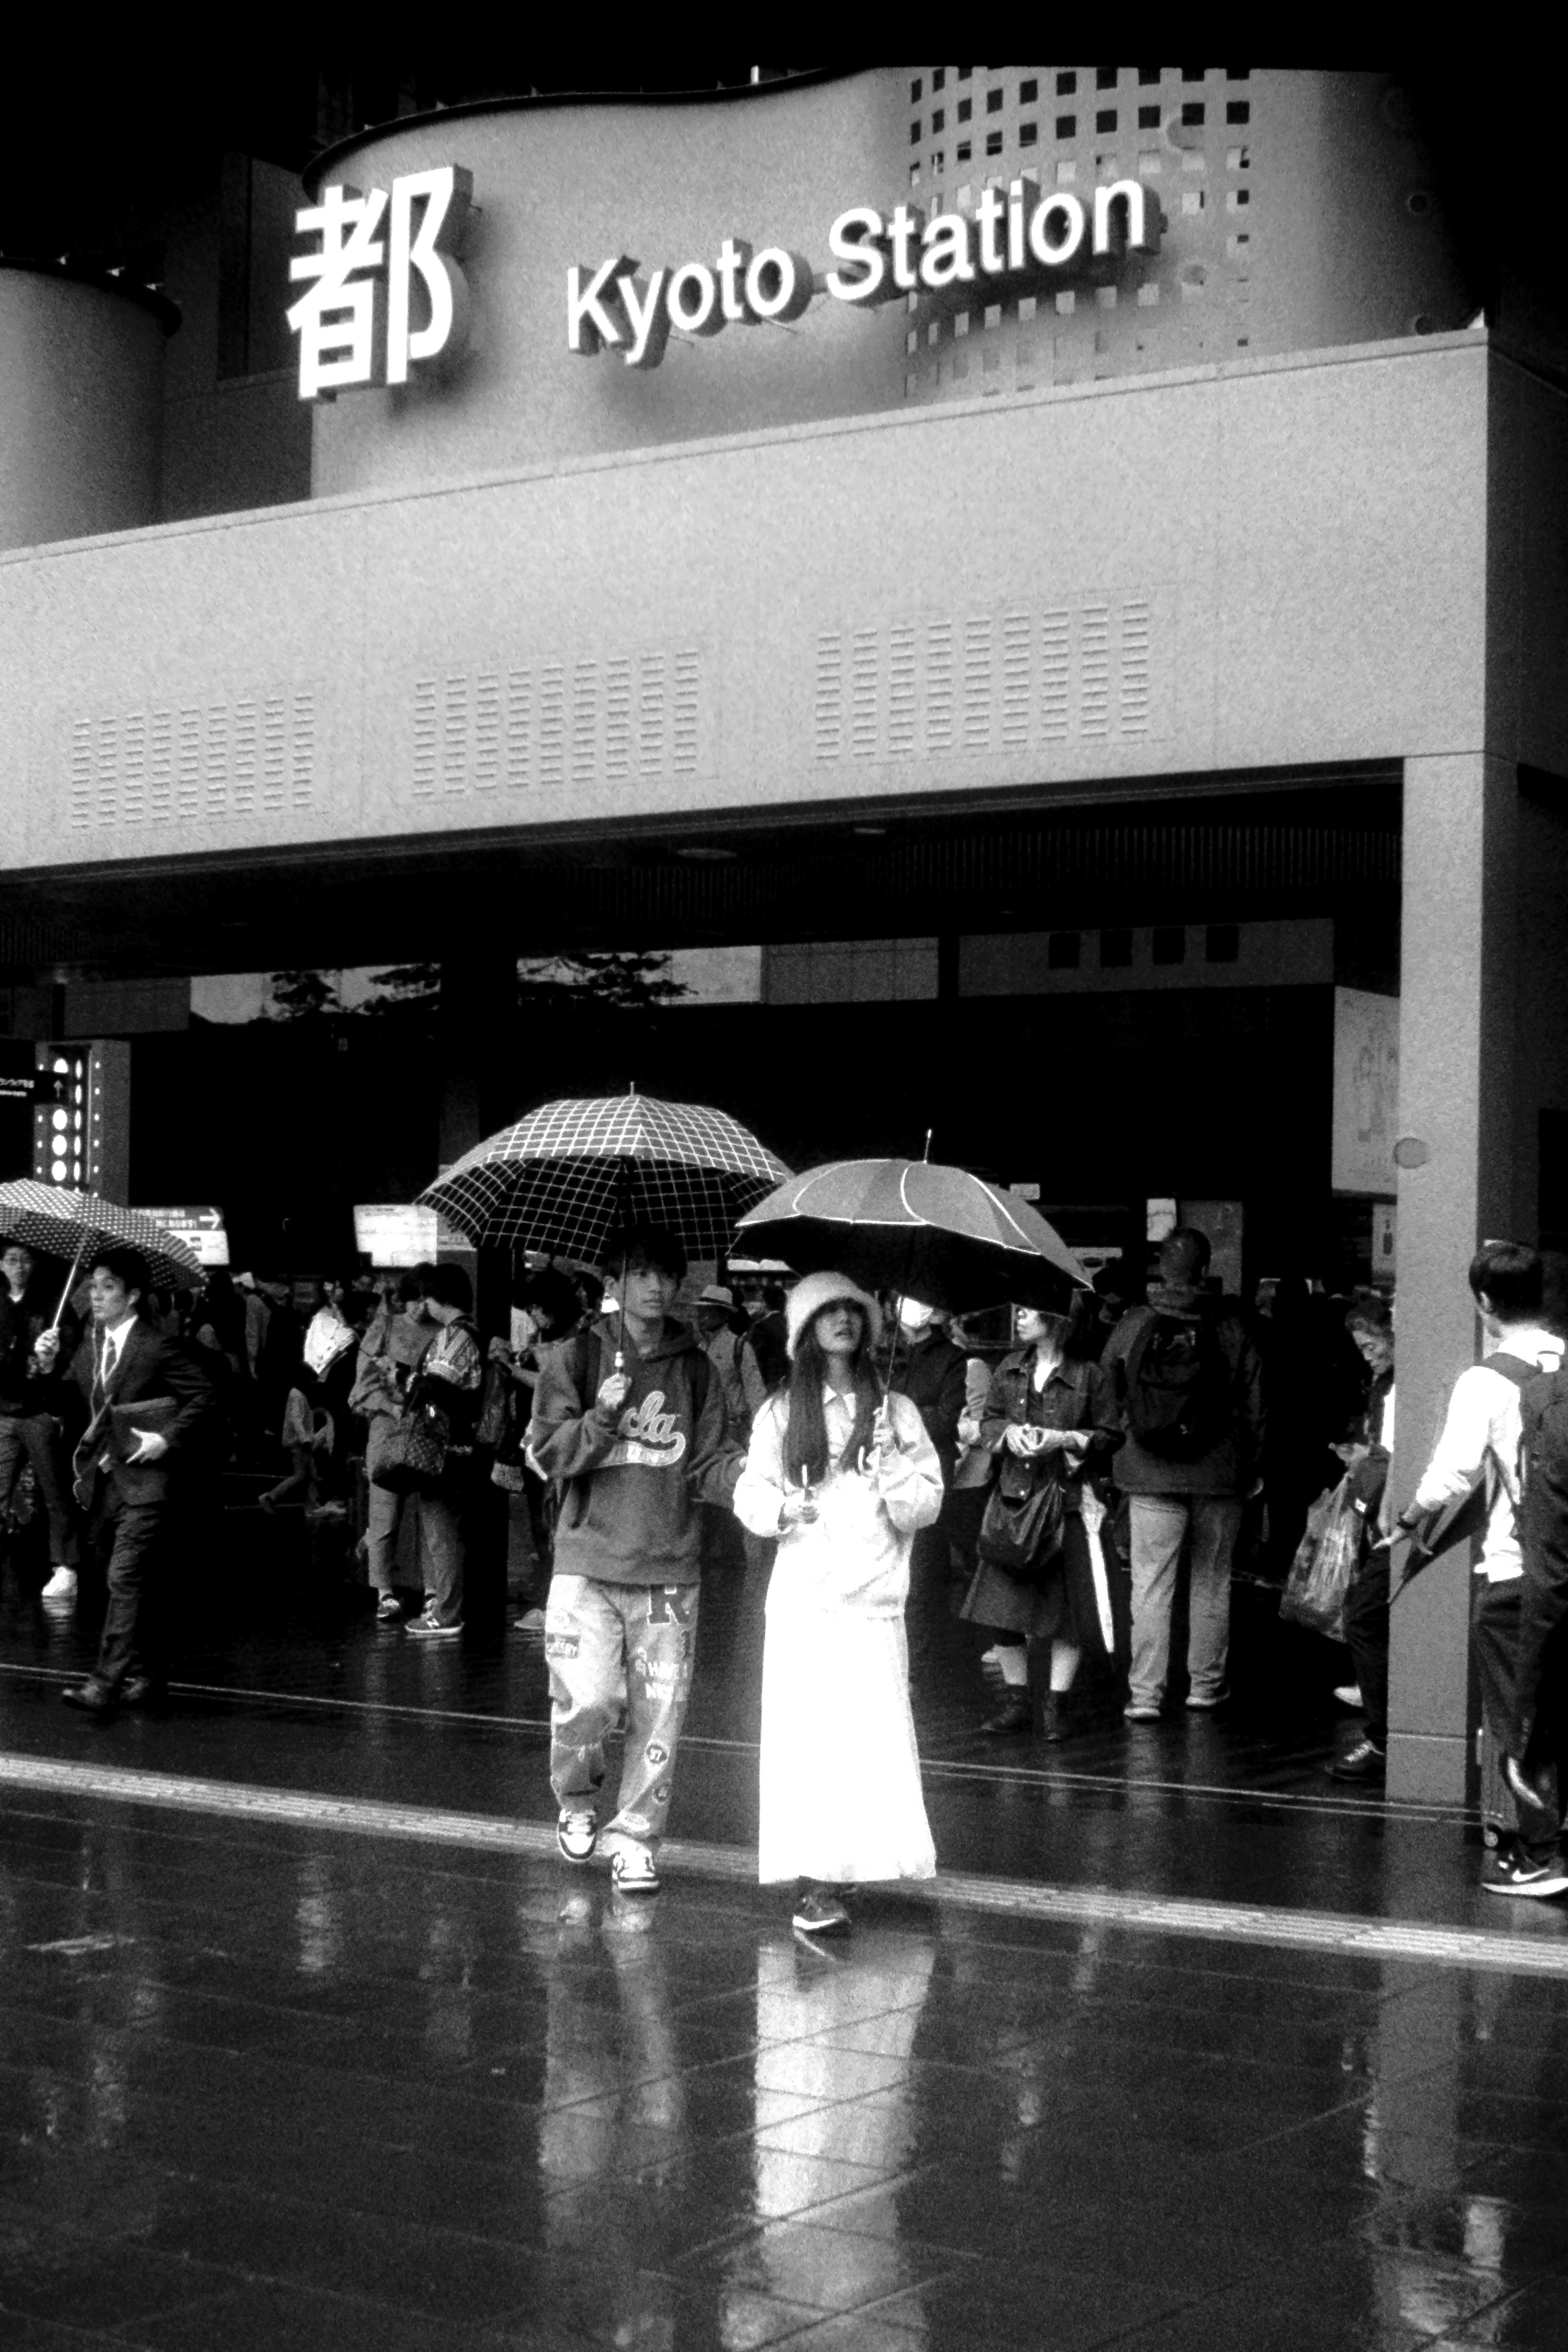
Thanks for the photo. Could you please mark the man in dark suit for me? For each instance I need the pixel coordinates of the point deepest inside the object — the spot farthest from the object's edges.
(132, 1475)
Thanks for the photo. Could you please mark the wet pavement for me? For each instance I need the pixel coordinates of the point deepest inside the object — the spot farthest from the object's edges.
(290, 2082)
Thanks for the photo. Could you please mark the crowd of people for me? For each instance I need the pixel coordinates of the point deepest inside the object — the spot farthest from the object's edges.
(1051, 1484)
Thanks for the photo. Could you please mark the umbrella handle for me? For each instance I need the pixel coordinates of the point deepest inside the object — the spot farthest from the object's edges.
(70, 1283)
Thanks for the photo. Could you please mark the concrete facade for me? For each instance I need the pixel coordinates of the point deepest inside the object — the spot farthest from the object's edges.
(1307, 527)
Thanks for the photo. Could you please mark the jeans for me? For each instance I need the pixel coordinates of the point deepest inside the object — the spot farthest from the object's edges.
(1161, 1526)
(1494, 1632)
(441, 1554)
(35, 1437)
(383, 1519)
(601, 1642)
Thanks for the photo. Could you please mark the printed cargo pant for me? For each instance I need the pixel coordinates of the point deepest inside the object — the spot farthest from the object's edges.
(605, 1643)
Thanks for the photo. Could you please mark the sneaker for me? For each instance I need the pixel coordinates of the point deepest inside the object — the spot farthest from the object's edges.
(819, 1912)
(389, 1609)
(530, 1621)
(430, 1628)
(61, 1586)
(634, 1871)
(1362, 1761)
(1140, 1711)
(577, 1833)
(1511, 1874)
(1204, 1703)
(1348, 1694)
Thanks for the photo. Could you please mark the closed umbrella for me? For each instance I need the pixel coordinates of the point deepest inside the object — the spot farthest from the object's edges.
(911, 1225)
(563, 1179)
(75, 1225)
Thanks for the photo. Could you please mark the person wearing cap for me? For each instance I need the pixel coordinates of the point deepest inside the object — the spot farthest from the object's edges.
(713, 1314)
(843, 1476)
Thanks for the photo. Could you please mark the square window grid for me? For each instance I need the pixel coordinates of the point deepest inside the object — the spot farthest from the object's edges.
(1064, 951)
(1029, 132)
(965, 108)
(1115, 949)
(1066, 126)
(993, 102)
(939, 79)
(1222, 943)
(938, 120)
(1148, 118)
(1066, 85)
(1193, 114)
(1170, 943)
(1237, 110)
(1105, 76)
(915, 88)
(1028, 91)
(915, 132)
(1106, 119)
(994, 143)
(1148, 77)
(964, 150)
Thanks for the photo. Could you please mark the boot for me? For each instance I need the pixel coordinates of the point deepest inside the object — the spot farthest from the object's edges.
(1017, 1713)
(1056, 1717)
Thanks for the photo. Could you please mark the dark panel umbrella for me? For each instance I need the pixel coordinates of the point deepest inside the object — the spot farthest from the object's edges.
(932, 1233)
(565, 1176)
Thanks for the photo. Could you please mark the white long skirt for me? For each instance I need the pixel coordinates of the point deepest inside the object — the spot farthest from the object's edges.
(841, 1799)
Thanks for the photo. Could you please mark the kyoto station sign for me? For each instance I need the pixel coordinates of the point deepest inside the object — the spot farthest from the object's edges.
(380, 257)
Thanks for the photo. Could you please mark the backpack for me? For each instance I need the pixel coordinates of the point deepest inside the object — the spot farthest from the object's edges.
(1177, 1387)
(1437, 1530)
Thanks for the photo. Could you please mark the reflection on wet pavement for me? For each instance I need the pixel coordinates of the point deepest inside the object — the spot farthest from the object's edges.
(262, 2087)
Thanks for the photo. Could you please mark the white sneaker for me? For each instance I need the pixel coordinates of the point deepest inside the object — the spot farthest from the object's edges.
(577, 1831)
(1348, 1694)
(634, 1871)
(61, 1586)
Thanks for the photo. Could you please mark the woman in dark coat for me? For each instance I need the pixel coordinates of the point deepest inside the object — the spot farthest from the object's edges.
(1058, 1411)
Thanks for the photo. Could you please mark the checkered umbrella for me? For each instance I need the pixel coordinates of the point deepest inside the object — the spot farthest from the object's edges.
(563, 1178)
(72, 1225)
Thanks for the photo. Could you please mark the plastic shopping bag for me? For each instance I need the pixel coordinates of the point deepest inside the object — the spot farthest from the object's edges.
(1325, 1560)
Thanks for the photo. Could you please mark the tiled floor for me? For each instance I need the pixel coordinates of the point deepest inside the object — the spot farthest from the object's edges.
(257, 2088)
(268, 2083)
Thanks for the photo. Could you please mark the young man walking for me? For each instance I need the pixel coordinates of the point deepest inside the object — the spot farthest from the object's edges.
(150, 1415)
(1482, 1444)
(629, 1417)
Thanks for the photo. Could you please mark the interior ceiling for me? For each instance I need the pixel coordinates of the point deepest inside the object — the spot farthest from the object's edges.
(982, 862)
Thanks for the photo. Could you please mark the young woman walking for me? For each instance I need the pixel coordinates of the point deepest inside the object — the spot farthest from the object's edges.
(843, 1478)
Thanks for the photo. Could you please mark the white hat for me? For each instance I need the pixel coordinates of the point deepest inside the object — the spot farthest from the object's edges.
(713, 1294)
(807, 1299)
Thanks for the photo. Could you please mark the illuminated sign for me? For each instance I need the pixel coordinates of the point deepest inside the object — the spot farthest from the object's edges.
(201, 1230)
(1013, 238)
(380, 257)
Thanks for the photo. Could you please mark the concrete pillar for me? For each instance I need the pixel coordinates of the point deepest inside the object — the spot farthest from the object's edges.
(1456, 1102)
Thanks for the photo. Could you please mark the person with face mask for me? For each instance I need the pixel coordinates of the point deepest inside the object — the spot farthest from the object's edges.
(1058, 1410)
(929, 1370)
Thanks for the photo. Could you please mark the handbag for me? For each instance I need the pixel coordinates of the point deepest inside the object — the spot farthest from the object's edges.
(1325, 1560)
(413, 1453)
(1021, 1532)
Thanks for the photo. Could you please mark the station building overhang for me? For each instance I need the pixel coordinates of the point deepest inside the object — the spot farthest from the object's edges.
(1220, 581)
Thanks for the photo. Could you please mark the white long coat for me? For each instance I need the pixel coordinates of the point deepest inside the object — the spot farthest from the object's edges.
(841, 1800)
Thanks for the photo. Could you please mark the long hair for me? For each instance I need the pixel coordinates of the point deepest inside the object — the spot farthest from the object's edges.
(806, 1429)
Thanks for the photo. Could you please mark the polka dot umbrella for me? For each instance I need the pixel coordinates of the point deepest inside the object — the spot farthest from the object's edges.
(561, 1179)
(73, 1226)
